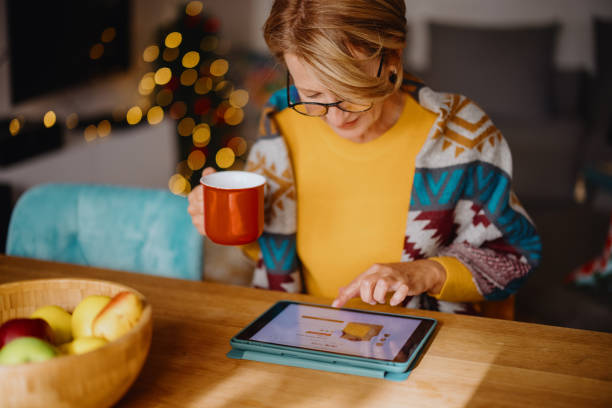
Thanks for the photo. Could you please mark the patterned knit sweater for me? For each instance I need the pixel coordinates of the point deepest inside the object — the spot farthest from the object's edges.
(462, 204)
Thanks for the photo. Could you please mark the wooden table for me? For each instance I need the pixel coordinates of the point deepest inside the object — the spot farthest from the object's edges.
(471, 362)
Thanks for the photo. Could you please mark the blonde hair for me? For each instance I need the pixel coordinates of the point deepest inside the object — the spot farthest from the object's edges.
(334, 37)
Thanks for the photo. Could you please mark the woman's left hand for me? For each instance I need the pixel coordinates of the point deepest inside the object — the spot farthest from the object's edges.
(402, 278)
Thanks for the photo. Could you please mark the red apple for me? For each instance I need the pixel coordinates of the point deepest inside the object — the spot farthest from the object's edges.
(15, 328)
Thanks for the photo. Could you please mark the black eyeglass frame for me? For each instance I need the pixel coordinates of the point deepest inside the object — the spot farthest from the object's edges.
(327, 105)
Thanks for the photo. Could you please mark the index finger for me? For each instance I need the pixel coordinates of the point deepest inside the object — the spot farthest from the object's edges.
(347, 293)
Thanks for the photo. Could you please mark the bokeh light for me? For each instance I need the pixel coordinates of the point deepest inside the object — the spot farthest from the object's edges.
(96, 51)
(196, 160)
(239, 98)
(104, 128)
(178, 110)
(203, 85)
(173, 39)
(146, 84)
(164, 97)
(155, 115)
(219, 67)
(178, 184)
(49, 119)
(170, 54)
(185, 126)
(90, 133)
(108, 34)
(194, 8)
(201, 135)
(134, 115)
(191, 59)
(209, 43)
(233, 116)
(188, 77)
(163, 76)
(150, 53)
(225, 157)
(14, 126)
(72, 121)
(238, 145)
(224, 89)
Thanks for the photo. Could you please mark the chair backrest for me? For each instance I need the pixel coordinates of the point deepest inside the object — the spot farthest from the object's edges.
(139, 230)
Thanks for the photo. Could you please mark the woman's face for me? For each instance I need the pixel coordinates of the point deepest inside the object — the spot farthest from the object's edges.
(351, 126)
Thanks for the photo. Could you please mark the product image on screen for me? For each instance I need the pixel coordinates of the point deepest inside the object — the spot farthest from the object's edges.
(368, 335)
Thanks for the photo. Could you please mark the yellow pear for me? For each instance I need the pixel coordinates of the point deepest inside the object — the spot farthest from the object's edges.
(59, 320)
(84, 314)
(83, 345)
(118, 316)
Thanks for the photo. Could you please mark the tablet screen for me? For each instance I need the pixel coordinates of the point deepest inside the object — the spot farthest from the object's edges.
(349, 332)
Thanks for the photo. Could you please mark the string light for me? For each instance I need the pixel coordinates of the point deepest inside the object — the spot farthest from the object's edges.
(170, 54)
(238, 145)
(150, 53)
(104, 128)
(196, 160)
(147, 83)
(90, 133)
(188, 77)
(155, 115)
(194, 8)
(239, 98)
(209, 43)
(49, 119)
(233, 116)
(108, 34)
(225, 157)
(14, 126)
(191, 59)
(185, 126)
(201, 135)
(173, 39)
(164, 97)
(219, 67)
(203, 86)
(163, 76)
(96, 51)
(178, 110)
(72, 121)
(177, 184)
(134, 115)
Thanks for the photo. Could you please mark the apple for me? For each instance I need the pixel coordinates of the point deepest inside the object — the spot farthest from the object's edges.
(84, 314)
(22, 327)
(83, 345)
(26, 350)
(59, 320)
(118, 316)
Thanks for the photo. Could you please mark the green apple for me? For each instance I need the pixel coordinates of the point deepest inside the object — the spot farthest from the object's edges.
(59, 320)
(26, 350)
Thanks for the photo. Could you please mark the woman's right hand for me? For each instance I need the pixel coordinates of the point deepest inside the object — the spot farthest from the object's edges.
(196, 204)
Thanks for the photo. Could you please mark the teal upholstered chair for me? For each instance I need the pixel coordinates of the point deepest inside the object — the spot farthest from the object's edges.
(139, 230)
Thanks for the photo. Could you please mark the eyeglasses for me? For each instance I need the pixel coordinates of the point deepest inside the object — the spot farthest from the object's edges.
(321, 109)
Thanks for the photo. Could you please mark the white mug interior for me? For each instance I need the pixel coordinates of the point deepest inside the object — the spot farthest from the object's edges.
(233, 180)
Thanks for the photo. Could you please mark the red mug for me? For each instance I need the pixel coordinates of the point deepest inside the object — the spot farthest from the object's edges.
(233, 206)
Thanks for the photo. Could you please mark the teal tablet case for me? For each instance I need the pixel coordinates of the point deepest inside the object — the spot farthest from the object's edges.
(318, 365)
(278, 356)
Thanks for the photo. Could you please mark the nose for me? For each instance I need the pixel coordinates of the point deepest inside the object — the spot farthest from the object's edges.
(336, 116)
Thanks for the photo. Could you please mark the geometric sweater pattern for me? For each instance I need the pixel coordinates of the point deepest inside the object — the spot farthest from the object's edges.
(462, 203)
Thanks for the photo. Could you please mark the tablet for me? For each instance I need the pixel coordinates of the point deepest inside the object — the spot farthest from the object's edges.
(382, 341)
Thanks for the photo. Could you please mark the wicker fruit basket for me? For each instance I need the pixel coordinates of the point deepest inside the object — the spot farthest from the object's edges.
(95, 379)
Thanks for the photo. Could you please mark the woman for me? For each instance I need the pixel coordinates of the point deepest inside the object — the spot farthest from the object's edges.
(379, 187)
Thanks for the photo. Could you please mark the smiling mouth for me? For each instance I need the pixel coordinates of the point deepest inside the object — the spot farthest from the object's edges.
(348, 125)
